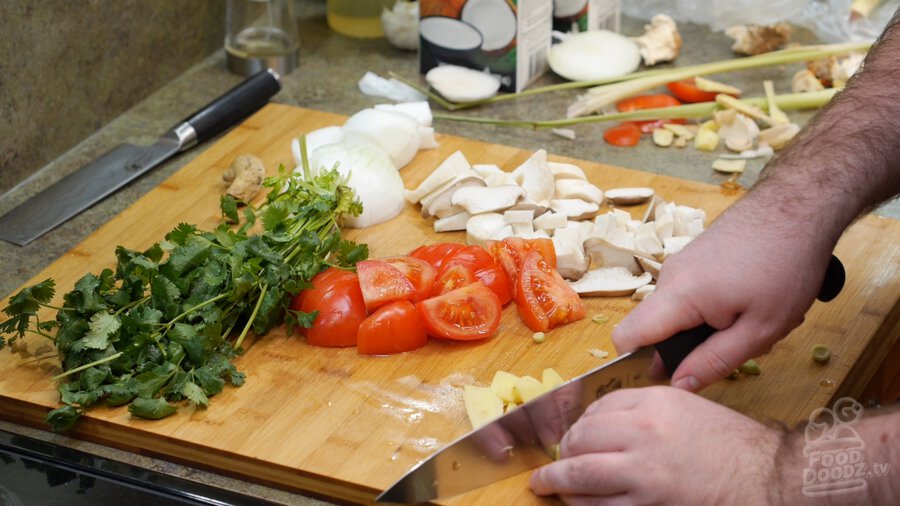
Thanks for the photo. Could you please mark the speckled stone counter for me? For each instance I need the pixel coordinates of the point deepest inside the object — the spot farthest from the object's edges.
(330, 67)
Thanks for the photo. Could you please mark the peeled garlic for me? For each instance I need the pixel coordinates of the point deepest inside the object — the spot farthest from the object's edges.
(401, 25)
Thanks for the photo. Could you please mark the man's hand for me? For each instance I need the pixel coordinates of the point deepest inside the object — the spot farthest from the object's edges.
(661, 445)
(753, 290)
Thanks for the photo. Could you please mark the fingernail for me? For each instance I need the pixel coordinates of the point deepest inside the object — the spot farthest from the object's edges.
(688, 383)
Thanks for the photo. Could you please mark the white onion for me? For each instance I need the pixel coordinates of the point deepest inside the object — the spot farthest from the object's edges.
(597, 54)
(395, 132)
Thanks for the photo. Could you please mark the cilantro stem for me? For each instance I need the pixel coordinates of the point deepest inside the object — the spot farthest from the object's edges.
(262, 294)
(198, 306)
(87, 366)
(131, 305)
(38, 332)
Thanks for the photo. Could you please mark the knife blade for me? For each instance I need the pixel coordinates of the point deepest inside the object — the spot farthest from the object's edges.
(522, 439)
(122, 164)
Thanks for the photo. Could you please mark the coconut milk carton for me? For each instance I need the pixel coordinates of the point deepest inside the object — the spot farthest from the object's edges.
(509, 38)
(584, 15)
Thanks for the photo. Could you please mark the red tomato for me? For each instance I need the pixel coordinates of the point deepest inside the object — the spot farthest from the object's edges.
(451, 278)
(495, 278)
(623, 135)
(393, 328)
(543, 246)
(467, 313)
(543, 297)
(510, 252)
(687, 91)
(435, 254)
(338, 299)
(640, 102)
(419, 272)
(382, 283)
(473, 257)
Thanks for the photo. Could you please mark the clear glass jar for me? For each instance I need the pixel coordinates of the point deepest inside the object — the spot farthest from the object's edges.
(261, 34)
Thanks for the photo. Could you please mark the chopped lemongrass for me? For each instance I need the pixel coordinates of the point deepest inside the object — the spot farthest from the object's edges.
(704, 84)
(821, 353)
(599, 318)
(681, 130)
(753, 111)
(729, 166)
(778, 116)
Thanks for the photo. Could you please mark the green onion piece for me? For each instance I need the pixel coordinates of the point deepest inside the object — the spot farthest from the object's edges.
(750, 367)
(599, 318)
(821, 353)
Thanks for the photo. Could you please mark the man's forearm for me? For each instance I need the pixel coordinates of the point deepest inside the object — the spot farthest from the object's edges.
(848, 158)
(858, 466)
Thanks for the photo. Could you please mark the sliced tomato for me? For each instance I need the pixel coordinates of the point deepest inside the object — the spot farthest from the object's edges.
(507, 258)
(382, 283)
(687, 91)
(435, 254)
(419, 272)
(393, 328)
(465, 314)
(337, 297)
(543, 246)
(641, 102)
(623, 135)
(543, 297)
(494, 277)
(474, 257)
(451, 278)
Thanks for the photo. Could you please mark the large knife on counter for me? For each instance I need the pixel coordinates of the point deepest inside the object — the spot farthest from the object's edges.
(117, 167)
(524, 438)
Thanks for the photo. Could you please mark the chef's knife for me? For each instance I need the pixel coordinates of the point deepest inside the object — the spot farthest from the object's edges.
(114, 169)
(523, 438)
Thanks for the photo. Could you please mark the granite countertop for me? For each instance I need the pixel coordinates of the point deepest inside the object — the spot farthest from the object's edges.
(326, 79)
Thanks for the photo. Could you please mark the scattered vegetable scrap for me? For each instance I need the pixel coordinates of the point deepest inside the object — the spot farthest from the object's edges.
(598, 353)
(756, 39)
(821, 353)
(660, 42)
(246, 174)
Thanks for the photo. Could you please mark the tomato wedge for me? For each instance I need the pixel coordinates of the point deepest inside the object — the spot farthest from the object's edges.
(543, 297)
(543, 246)
(687, 91)
(510, 252)
(419, 272)
(382, 283)
(465, 314)
(495, 278)
(337, 297)
(474, 257)
(435, 254)
(623, 135)
(393, 328)
(451, 278)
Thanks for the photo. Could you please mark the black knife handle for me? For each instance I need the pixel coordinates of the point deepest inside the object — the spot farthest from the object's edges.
(674, 349)
(238, 103)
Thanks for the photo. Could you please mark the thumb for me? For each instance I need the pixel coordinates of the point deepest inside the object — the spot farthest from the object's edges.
(655, 319)
(717, 357)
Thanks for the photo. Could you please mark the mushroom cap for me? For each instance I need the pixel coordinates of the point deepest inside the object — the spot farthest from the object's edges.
(609, 282)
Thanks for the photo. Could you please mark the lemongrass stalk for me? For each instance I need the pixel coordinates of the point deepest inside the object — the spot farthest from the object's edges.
(790, 101)
(598, 98)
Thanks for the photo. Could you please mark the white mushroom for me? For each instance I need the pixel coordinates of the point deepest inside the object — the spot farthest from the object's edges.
(627, 196)
(578, 189)
(485, 199)
(648, 244)
(606, 254)
(604, 224)
(455, 165)
(519, 216)
(500, 179)
(452, 223)
(551, 221)
(536, 178)
(571, 262)
(485, 227)
(522, 229)
(643, 292)
(566, 171)
(675, 244)
(575, 209)
(486, 169)
(649, 266)
(440, 205)
(609, 282)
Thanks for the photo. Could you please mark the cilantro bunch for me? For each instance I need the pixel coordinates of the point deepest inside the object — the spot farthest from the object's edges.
(157, 329)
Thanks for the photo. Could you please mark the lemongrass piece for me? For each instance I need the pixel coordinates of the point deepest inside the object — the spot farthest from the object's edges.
(729, 166)
(777, 115)
(807, 100)
(862, 8)
(600, 97)
(704, 84)
(753, 111)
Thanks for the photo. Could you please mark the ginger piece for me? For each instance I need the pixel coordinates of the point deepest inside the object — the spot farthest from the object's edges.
(755, 39)
(246, 174)
(660, 42)
(804, 80)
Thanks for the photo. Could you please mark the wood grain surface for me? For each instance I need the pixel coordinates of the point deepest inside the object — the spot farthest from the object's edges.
(334, 423)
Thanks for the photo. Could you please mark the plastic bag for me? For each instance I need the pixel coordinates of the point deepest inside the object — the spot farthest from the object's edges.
(829, 20)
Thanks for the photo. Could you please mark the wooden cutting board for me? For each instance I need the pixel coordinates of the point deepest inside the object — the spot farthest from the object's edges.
(331, 422)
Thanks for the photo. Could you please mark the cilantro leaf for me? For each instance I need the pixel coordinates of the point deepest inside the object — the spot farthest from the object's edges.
(63, 418)
(153, 409)
(194, 393)
(229, 208)
(102, 327)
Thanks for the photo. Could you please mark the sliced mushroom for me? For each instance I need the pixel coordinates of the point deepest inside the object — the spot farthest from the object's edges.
(452, 223)
(575, 209)
(606, 254)
(578, 189)
(675, 244)
(538, 208)
(571, 262)
(566, 171)
(689, 221)
(621, 238)
(455, 165)
(649, 266)
(550, 221)
(485, 227)
(500, 179)
(643, 292)
(649, 213)
(536, 177)
(665, 227)
(628, 196)
(522, 229)
(519, 216)
(609, 282)
(440, 204)
(604, 224)
(486, 199)
(486, 169)
(648, 244)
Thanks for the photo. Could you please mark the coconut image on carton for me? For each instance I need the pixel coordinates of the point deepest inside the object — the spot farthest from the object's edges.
(507, 38)
(583, 15)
